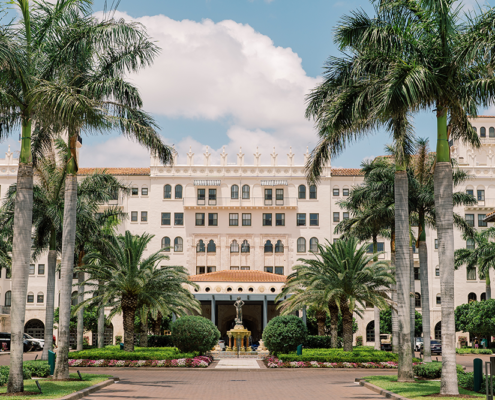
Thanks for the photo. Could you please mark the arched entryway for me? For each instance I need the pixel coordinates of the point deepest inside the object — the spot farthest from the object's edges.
(370, 331)
(438, 331)
(108, 336)
(35, 328)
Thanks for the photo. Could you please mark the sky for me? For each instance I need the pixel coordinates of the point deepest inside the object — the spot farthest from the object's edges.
(235, 73)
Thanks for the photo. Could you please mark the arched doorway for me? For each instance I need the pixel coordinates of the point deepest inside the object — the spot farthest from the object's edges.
(370, 331)
(438, 331)
(35, 328)
(108, 336)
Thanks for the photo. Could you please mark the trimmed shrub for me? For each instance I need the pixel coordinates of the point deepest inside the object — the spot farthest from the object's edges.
(340, 356)
(466, 381)
(194, 333)
(160, 341)
(359, 341)
(284, 333)
(39, 369)
(431, 370)
(139, 353)
(473, 351)
(118, 339)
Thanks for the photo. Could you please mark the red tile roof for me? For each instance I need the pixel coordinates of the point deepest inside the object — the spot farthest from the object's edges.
(238, 276)
(347, 172)
(490, 217)
(116, 171)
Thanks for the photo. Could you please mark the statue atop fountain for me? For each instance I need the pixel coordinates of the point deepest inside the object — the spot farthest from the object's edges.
(238, 308)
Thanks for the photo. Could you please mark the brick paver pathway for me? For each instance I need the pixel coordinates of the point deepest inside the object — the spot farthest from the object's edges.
(214, 384)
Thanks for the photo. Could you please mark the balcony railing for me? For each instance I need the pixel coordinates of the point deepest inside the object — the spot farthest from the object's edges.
(4, 310)
(251, 202)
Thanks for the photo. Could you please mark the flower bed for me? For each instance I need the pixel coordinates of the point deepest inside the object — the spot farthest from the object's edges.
(274, 362)
(196, 362)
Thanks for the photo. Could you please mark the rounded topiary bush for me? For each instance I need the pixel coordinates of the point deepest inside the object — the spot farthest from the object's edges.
(194, 334)
(284, 333)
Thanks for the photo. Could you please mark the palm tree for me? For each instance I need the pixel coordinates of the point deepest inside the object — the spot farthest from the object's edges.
(129, 278)
(343, 273)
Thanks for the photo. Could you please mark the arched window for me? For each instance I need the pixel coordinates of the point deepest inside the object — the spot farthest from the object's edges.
(268, 247)
(472, 297)
(40, 297)
(370, 331)
(234, 192)
(438, 331)
(245, 247)
(312, 192)
(474, 128)
(483, 296)
(178, 244)
(200, 247)
(301, 192)
(313, 245)
(482, 132)
(178, 191)
(212, 248)
(417, 300)
(491, 132)
(167, 192)
(245, 192)
(279, 247)
(166, 244)
(74, 298)
(8, 298)
(301, 245)
(234, 247)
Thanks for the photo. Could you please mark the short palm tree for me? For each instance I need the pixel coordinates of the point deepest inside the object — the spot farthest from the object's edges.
(344, 273)
(129, 278)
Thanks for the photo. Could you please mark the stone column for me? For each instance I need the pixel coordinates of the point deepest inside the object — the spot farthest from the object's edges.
(213, 309)
(265, 312)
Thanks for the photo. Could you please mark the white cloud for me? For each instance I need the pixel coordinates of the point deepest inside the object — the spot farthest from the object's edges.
(227, 70)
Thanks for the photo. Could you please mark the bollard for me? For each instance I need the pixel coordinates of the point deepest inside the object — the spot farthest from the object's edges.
(121, 346)
(51, 361)
(478, 374)
(299, 350)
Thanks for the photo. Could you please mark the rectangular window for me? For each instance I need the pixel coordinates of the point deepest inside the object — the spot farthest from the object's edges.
(245, 268)
(179, 218)
(212, 197)
(267, 219)
(280, 219)
(437, 271)
(416, 273)
(30, 298)
(268, 197)
(345, 192)
(144, 191)
(8, 274)
(246, 219)
(470, 191)
(314, 219)
(212, 219)
(470, 244)
(279, 270)
(336, 217)
(135, 191)
(470, 219)
(144, 216)
(439, 300)
(234, 219)
(269, 269)
(201, 197)
(471, 274)
(200, 219)
(481, 195)
(41, 298)
(200, 270)
(41, 269)
(279, 195)
(301, 220)
(166, 218)
(481, 220)
(31, 269)
(234, 268)
(336, 192)
(436, 244)
(380, 246)
(345, 215)
(134, 216)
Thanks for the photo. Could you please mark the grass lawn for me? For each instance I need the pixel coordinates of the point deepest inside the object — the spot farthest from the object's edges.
(418, 390)
(55, 390)
(139, 353)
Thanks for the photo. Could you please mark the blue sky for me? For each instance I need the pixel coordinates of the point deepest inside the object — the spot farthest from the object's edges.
(234, 73)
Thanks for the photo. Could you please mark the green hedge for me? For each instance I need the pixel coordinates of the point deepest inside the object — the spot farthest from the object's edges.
(466, 381)
(139, 353)
(39, 369)
(160, 341)
(338, 355)
(473, 351)
(432, 370)
(320, 342)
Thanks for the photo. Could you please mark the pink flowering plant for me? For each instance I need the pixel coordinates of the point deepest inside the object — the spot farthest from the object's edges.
(274, 362)
(196, 362)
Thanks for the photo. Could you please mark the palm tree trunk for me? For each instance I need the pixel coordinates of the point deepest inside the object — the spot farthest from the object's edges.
(395, 321)
(101, 327)
(143, 340)
(425, 296)
(412, 299)
(445, 227)
(157, 323)
(80, 313)
(321, 318)
(405, 372)
(50, 296)
(68, 244)
(21, 257)
(129, 305)
(334, 324)
(377, 329)
(347, 326)
(488, 289)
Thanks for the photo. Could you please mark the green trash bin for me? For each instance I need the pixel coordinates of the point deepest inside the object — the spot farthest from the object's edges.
(51, 361)
(121, 346)
(299, 350)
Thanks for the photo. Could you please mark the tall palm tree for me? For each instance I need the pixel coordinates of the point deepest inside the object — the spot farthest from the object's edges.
(130, 278)
(344, 273)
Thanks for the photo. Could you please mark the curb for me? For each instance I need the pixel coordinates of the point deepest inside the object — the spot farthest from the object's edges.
(87, 391)
(379, 390)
